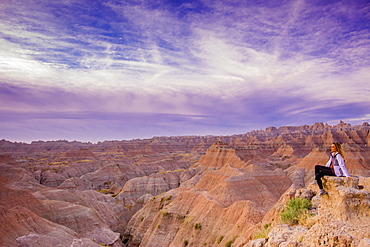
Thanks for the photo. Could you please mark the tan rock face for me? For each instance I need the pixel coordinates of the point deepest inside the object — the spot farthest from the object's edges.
(342, 217)
(346, 201)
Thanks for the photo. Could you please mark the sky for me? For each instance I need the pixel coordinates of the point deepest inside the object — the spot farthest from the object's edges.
(124, 69)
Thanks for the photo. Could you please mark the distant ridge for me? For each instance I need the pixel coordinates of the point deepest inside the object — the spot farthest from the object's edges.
(270, 134)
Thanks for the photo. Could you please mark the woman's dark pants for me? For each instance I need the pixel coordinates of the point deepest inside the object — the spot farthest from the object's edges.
(321, 171)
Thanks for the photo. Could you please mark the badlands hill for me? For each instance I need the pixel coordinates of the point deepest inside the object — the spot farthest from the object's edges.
(185, 191)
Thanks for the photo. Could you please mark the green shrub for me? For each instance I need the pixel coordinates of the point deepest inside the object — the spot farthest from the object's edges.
(294, 209)
(197, 226)
(168, 198)
(229, 243)
(264, 232)
(219, 239)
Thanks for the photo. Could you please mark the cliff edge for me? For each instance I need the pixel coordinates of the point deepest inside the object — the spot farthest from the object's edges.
(340, 218)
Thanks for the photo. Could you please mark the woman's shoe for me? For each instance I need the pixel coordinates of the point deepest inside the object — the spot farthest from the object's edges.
(322, 192)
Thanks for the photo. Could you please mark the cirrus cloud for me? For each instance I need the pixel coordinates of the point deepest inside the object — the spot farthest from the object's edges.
(181, 66)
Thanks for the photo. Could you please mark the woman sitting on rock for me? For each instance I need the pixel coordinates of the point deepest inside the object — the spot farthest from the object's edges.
(334, 167)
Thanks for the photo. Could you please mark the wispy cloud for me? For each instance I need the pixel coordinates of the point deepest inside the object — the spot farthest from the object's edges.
(237, 64)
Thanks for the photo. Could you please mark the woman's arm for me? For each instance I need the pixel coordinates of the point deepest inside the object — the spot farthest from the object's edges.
(342, 165)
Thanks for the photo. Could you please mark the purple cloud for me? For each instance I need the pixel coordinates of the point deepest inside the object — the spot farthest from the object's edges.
(70, 68)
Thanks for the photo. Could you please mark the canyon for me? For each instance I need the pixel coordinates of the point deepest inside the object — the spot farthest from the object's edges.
(185, 190)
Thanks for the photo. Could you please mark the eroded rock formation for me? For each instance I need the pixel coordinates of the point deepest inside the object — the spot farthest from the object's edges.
(229, 198)
(178, 191)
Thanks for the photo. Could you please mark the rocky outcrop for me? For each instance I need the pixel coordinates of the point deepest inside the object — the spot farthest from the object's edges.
(340, 218)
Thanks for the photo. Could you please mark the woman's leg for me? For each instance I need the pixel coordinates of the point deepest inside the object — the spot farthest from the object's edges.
(321, 171)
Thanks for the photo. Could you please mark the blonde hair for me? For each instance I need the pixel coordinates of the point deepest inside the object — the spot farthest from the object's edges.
(339, 149)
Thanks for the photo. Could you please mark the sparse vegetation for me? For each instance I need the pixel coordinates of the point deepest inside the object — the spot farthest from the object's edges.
(168, 198)
(294, 209)
(164, 201)
(83, 161)
(106, 192)
(54, 163)
(306, 219)
(198, 226)
(285, 157)
(186, 242)
(263, 233)
(229, 243)
(169, 171)
(181, 216)
(300, 239)
(219, 239)
(188, 218)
